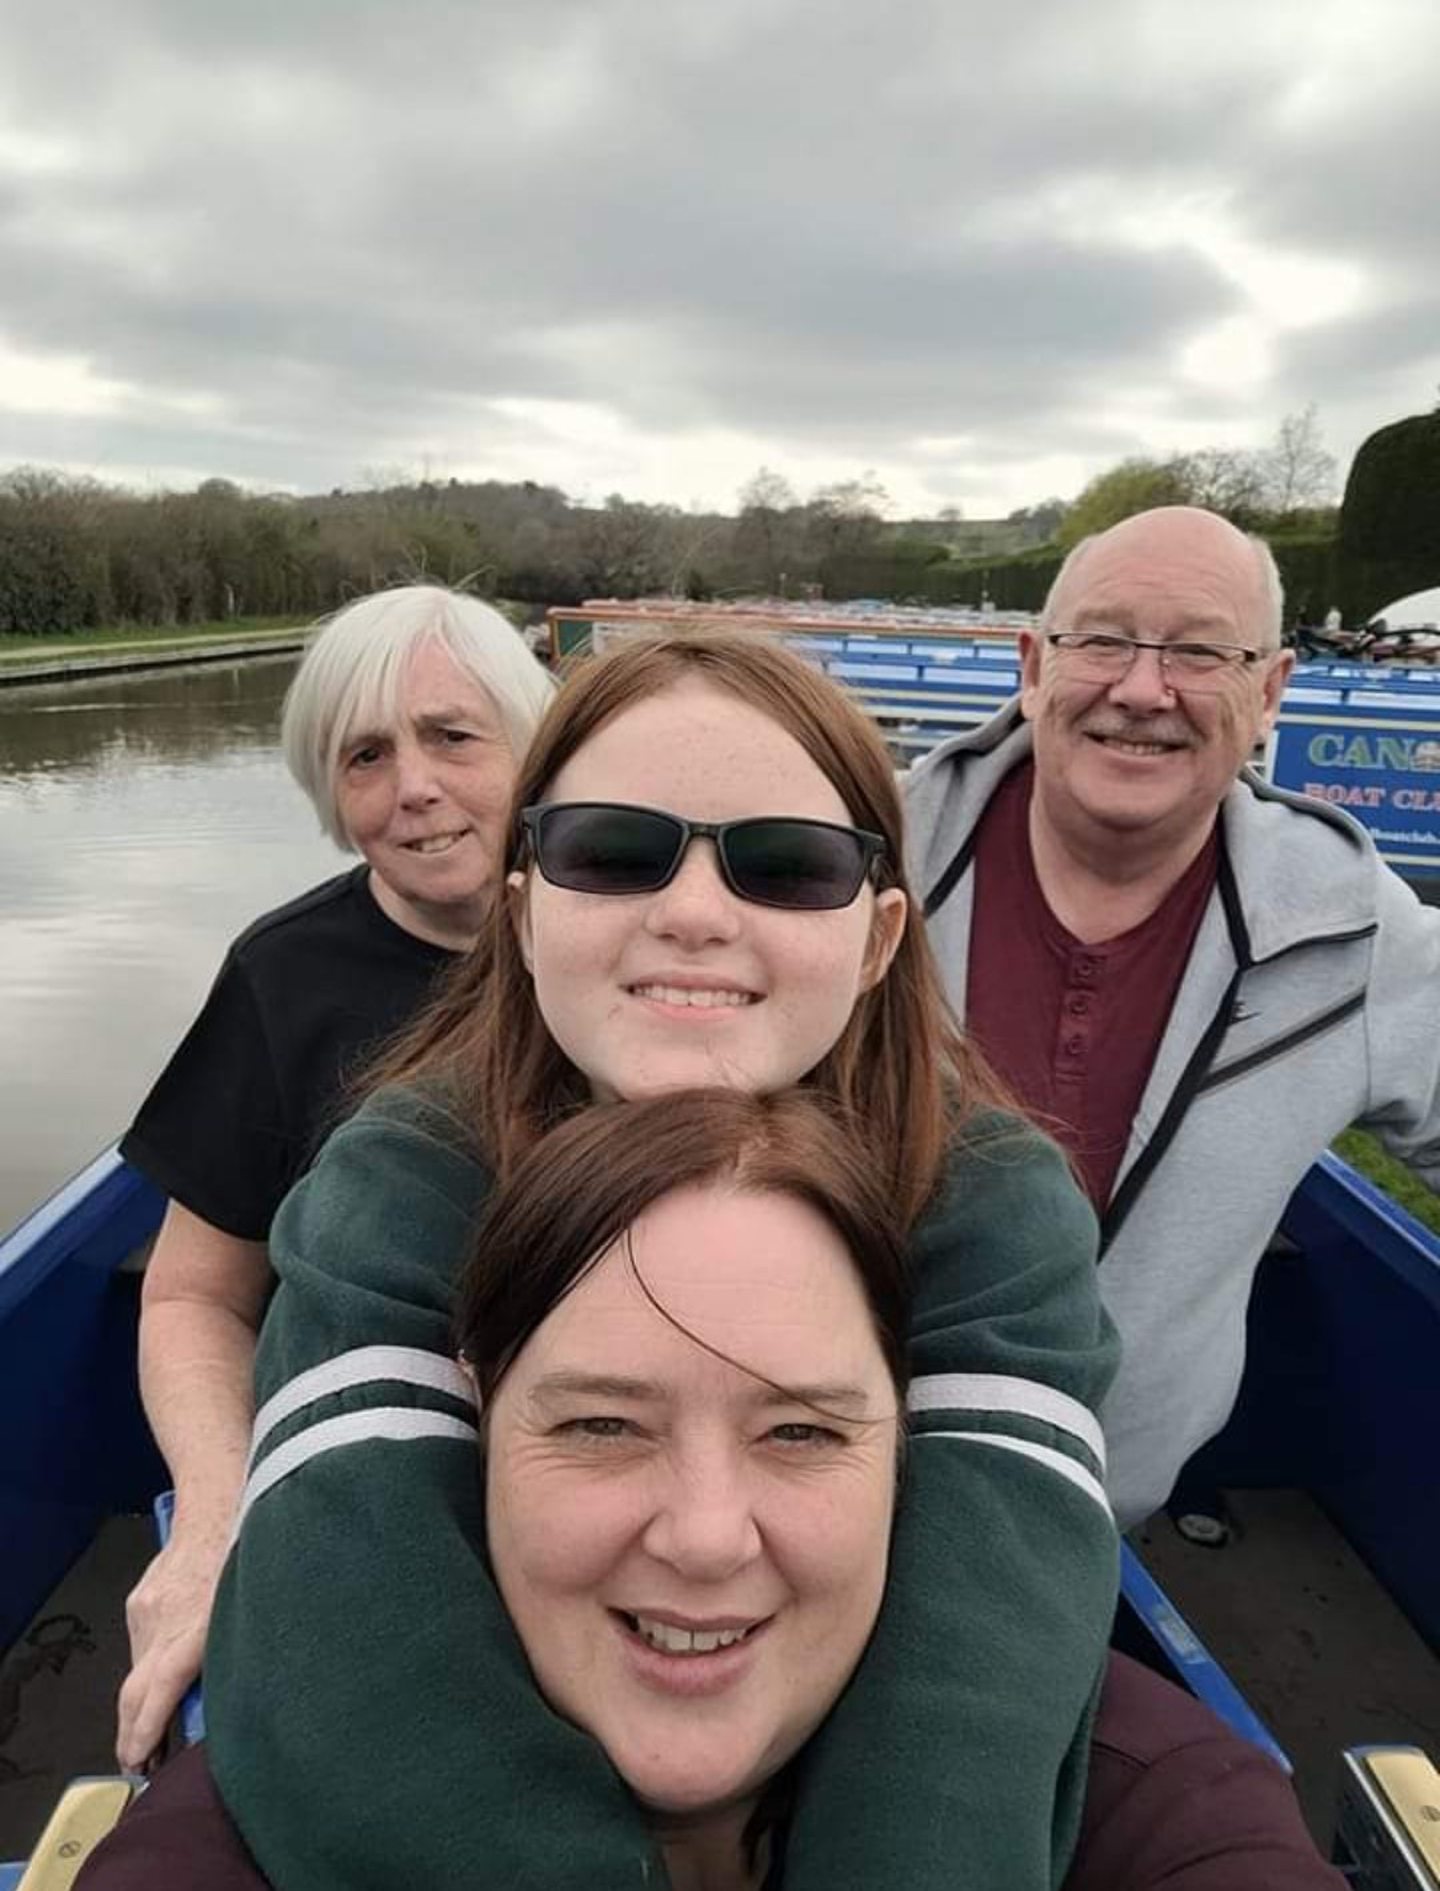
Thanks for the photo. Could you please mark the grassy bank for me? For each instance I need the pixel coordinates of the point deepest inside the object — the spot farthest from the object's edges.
(143, 636)
(175, 636)
(1363, 1152)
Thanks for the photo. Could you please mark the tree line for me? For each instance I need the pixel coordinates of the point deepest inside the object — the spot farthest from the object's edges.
(76, 554)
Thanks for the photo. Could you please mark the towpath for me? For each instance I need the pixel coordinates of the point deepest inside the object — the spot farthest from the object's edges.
(56, 663)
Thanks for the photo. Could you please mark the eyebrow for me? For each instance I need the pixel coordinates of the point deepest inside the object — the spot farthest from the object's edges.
(428, 720)
(607, 1385)
(1120, 617)
(439, 718)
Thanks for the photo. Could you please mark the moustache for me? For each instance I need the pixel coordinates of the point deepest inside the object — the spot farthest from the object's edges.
(1156, 730)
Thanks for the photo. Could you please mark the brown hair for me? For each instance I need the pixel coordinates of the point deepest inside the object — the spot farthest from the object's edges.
(573, 1194)
(900, 1068)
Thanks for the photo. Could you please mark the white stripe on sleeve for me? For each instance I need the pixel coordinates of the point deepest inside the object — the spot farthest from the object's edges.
(397, 1423)
(1042, 1454)
(367, 1365)
(995, 1392)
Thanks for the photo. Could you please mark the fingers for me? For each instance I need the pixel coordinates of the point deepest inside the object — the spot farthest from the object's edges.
(167, 1614)
(149, 1698)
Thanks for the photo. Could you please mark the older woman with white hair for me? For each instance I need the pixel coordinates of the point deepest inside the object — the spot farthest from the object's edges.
(404, 726)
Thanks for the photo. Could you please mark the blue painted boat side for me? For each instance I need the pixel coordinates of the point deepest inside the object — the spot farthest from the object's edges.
(77, 1445)
(1341, 1396)
(1175, 1646)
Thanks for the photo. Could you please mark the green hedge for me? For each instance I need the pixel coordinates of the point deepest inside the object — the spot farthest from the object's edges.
(1390, 517)
(1309, 569)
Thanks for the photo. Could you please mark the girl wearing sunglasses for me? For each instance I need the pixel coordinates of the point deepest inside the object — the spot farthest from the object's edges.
(705, 885)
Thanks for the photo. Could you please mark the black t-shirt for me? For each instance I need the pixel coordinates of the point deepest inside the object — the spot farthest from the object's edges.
(259, 1079)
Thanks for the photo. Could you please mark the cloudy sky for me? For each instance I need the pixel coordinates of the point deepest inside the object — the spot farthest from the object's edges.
(984, 250)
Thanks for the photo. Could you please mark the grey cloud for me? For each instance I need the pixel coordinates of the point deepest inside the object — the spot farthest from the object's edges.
(353, 224)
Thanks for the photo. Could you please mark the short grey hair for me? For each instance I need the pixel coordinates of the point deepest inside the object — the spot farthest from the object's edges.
(1271, 625)
(353, 671)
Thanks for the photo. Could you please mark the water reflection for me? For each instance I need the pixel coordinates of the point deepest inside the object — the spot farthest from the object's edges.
(143, 821)
(183, 715)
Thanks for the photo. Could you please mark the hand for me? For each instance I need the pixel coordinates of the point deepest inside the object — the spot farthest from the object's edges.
(167, 1613)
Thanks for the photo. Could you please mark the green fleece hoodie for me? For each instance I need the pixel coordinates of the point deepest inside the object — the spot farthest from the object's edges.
(373, 1723)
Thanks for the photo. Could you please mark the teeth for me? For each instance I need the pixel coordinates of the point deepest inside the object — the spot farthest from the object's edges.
(1137, 748)
(435, 844)
(702, 1000)
(686, 1641)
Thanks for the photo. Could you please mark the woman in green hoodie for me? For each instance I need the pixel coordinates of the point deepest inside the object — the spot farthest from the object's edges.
(705, 886)
(685, 1322)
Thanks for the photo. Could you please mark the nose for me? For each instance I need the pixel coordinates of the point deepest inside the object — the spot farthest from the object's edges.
(415, 782)
(1145, 685)
(704, 1526)
(696, 907)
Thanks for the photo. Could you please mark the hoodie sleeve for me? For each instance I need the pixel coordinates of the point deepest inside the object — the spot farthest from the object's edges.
(372, 1720)
(958, 1754)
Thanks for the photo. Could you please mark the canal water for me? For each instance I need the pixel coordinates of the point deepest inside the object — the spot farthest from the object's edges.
(144, 820)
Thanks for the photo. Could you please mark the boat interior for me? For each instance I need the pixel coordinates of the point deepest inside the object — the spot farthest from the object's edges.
(1311, 1619)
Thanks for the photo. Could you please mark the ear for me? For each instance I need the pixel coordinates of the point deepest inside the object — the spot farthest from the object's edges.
(1032, 649)
(517, 904)
(887, 929)
(1277, 675)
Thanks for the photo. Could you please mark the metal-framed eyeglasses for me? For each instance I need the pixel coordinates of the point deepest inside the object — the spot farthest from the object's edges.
(1105, 656)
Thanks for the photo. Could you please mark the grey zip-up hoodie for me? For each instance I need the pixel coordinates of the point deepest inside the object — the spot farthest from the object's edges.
(1311, 1001)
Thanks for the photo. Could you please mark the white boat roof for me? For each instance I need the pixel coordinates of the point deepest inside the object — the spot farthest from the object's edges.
(1419, 611)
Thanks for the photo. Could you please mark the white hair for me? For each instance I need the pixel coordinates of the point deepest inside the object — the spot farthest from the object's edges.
(352, 676)
(1272, 629)
(1271, 625)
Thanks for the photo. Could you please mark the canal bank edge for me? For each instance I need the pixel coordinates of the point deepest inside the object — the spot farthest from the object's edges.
(53, 667)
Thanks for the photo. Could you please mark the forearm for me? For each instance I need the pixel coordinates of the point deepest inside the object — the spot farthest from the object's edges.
(373, 1540)
(975, 1697)
(979, 1683)
(197, 1351)
(197, 1363)
(449, 1755)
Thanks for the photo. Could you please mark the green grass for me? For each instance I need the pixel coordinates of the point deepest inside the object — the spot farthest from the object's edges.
(1360, 1149)
(126, 636)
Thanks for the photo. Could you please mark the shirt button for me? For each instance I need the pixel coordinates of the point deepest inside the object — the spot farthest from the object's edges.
(1074, 1046)
(1085, 968)
(1077, 1004)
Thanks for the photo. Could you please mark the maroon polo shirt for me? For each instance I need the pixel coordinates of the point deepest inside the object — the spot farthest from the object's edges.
(1072, 1028)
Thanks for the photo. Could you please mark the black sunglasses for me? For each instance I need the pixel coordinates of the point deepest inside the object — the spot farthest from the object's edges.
(772, 860)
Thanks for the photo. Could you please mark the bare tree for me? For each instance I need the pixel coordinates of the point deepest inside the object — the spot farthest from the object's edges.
(1228, 480)
(765, 540)
(766, 492)
(1298, 469)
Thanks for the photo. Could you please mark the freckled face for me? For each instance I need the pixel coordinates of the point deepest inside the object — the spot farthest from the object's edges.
(692, 985)
(694, 1561)
(425, 799)
(1139, 757)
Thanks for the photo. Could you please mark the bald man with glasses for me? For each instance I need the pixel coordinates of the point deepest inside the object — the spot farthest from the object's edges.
(1196, 979)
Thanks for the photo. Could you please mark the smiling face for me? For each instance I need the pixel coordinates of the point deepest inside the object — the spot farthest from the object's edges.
(693, 1559)
(1137, 762)
(693, 985)
(424, 799)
